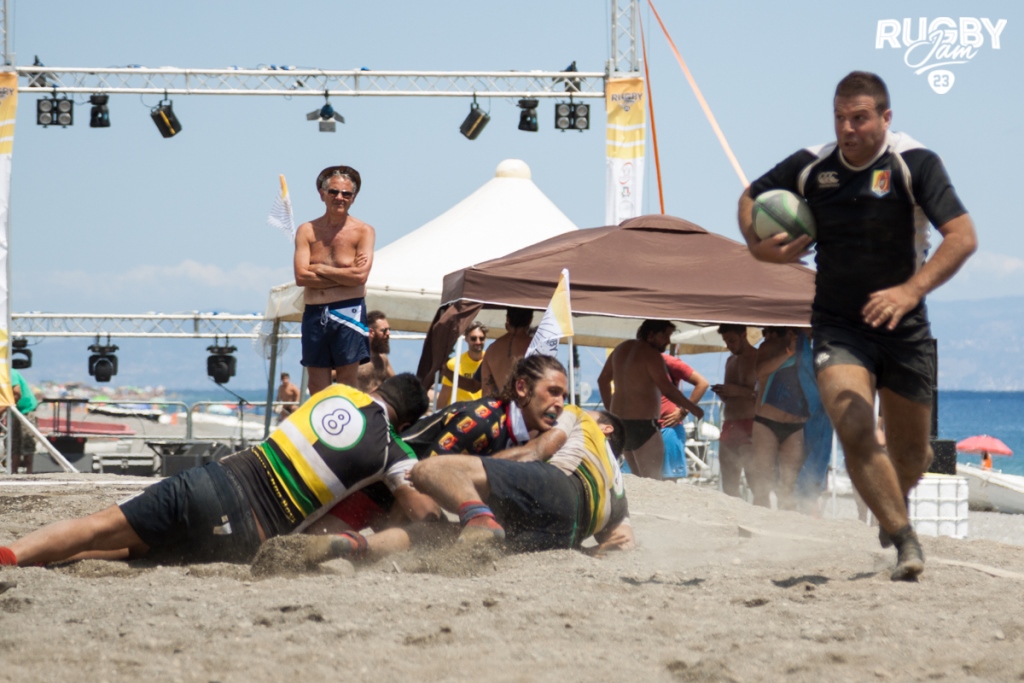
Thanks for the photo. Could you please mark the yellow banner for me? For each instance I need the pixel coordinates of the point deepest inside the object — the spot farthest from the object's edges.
(8, 108)
(625, 142)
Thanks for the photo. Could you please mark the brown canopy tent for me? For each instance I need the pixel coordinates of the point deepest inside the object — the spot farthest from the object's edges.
(651, 267)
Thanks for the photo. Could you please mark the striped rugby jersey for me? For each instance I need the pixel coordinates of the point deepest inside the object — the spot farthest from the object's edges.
(336, 443)
(586, 454)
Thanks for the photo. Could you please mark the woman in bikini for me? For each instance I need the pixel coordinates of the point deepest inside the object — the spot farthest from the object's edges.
(779, 420)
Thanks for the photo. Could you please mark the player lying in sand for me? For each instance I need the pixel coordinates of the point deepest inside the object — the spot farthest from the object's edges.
(552, 491)
(521, 417)
(338, 441)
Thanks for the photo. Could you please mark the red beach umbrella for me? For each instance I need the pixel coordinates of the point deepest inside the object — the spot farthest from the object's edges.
(983, 443)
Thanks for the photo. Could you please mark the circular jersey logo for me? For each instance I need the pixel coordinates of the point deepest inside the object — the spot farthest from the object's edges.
(337, 423)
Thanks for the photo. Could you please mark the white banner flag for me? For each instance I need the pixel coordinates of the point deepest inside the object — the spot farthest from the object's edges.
(281, 212)
(556, 323)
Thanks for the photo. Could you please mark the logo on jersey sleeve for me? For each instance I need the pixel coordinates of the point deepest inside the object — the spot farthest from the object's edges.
(482, 412)
(448, 441)
(337, 423)
(466, 424)
(880, 183)
(480, 444)
(495, 430)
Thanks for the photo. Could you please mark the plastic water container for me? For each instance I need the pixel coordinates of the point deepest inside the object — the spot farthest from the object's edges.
(938, 506)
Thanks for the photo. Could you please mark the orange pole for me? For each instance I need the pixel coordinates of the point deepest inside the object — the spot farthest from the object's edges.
(703, 103)
(654, 129)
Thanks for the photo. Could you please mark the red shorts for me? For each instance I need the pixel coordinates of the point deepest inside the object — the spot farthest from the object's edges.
(361, 511)
(736, 433)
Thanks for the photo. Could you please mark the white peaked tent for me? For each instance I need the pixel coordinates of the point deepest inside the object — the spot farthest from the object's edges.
(507, 214)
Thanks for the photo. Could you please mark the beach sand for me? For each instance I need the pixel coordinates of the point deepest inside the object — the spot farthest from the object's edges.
(717, 591)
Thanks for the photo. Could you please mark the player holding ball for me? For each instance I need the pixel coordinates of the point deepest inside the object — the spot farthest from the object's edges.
(872, 194)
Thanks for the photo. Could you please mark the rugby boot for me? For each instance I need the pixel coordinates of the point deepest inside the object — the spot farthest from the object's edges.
(909, 556)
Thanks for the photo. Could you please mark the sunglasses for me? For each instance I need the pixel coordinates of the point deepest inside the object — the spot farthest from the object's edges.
(476, 339)
(345, 194)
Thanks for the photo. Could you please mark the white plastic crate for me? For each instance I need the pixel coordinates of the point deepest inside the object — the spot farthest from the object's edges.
(938, 506)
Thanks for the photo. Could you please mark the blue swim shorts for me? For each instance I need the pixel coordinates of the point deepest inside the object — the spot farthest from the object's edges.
(335, 335)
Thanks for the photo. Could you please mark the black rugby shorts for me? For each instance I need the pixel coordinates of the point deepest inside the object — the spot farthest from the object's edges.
(905, 367)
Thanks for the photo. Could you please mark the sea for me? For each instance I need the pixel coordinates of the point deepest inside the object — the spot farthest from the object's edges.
(961, 414)
(996, 413)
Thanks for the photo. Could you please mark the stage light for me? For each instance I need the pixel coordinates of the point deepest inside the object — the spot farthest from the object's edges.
(571, 116)
(55, 111)
(163, 116)
(103, 362)
(326, 116)
(99, 117)
(221, 365)
(528, 115)
(475, 121)
(562, 111)
(21, 357)
(581, 116)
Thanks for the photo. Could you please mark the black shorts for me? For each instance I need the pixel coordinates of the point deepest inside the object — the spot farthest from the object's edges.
(904, 366)
(199, 515)
(638, 432)
(539, 506)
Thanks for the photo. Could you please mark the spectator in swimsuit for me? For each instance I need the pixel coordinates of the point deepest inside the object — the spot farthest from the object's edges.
(638, 370)
(502, 355)
(737, 394)
(779, 420)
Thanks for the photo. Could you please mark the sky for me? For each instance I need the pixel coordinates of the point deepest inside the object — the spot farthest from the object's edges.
(120, 220)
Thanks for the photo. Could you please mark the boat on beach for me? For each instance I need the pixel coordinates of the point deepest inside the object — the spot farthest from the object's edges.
(992, 489)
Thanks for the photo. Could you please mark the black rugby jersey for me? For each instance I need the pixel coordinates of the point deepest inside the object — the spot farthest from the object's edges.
(872, 221)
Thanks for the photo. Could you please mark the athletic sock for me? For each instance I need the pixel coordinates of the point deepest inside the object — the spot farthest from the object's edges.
(475, 513)
(478, 524)
(7, 557)
(350, 544)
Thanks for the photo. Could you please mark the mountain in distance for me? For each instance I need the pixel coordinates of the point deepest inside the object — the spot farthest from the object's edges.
(980, 343)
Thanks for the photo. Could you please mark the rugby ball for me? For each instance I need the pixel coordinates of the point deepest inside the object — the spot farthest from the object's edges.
(778, 211)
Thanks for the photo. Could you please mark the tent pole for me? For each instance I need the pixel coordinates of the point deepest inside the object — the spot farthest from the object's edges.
(270, 379)
(304, 386)
(572, 375)
(437, 390)
(458, 368)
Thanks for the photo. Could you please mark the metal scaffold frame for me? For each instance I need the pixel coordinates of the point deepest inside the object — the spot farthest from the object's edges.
(172, 326)
(310, 82)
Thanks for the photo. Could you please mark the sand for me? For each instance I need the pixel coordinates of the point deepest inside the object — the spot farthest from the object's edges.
(718, 591)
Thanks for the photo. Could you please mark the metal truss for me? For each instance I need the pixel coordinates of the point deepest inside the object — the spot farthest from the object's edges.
(184, 326)
(158, 326)
(625, 32)
(311, 82)
(5, 30)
